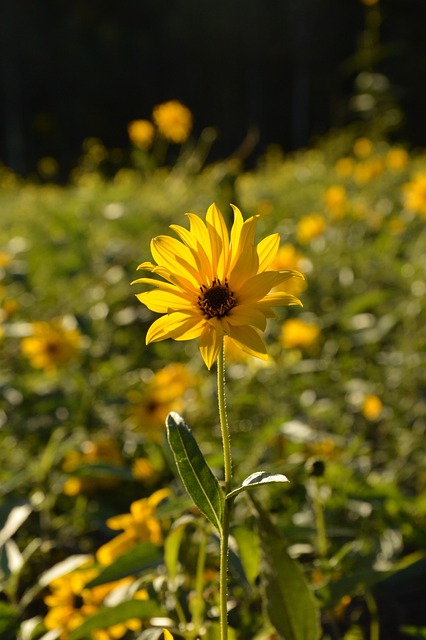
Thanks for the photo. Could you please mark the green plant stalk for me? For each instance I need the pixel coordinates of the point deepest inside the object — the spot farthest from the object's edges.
(224, 539)
(322, 542)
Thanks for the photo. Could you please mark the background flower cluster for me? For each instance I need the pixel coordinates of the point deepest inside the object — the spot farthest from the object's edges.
(339, 407)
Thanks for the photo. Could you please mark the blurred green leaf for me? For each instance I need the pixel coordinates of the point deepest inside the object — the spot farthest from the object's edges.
(290, 604)
(172, 545)
(249, 551)
(9, 618)
(139, 558)
(194, 471)
(109, 616)
(14, 520)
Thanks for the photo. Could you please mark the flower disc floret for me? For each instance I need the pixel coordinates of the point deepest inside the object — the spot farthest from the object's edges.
(215, 283)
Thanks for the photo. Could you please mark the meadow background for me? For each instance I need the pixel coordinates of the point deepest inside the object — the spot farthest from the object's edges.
(88, 484)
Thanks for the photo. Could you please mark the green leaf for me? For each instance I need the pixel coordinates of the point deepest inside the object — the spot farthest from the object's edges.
(109, 616)
(255, 479)
(249, 551)
(290, 604)
(139, 558)
(172, 545)
(194, 471)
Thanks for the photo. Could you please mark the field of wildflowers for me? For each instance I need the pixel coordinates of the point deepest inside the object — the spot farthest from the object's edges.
(99, 538)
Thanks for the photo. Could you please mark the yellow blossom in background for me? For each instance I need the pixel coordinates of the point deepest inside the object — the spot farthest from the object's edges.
(165, 392)
(104, 451)
(372, 407)
(344, 167)
(335, 200)
(167, 635)
(143, 470)
(5, 259)
(140, 525)
(397, 159)
(51, 344)
(310, 227)
(173, 120)
(296, 333)
(217, 284)
(414, 193)
(141, 133)
(368, 170)
(363, 147)
(70, 603)
(289, 258)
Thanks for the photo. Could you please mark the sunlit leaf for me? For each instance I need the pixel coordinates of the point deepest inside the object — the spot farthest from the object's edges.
(255, 479)
(194, 471)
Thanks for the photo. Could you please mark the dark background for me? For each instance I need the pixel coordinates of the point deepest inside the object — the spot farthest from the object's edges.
(72, 69)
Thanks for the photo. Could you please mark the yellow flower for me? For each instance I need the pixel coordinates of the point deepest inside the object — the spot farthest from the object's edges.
(141, 133)
(397, 159)
(174, 120)
(217, 284)
(103, 451)
(415, 194)
(335, 199)
(143, 469)
(162, 394)
(363, 147)
(296, 333)
(167, 635)
(51, 344)
(70, 602)
(140, 525)
(309, 227)
(372, 407)
(344, 167)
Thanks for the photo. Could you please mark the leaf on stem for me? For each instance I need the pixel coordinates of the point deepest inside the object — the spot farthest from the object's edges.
(196, 475)
(255, 479)
(139, 558)
(290, 604)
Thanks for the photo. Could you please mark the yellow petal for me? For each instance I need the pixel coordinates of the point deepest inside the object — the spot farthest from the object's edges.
(164, 301)
(249, 340)
(174, 256)
(171, 326)
(247, 315)
(210, 345)
(279, 299)
(167, 635)
(219, 241)
(267, 249)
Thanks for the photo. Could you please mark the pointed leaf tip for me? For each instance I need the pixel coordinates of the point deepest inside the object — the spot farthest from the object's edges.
(255, 479)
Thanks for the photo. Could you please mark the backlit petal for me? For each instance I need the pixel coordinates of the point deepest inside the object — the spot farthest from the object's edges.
(219, 240)
(247, 315)
(174, 256)
(249, 340)
(170, 326)
(210, 345)
(164, 301)
(267, 250)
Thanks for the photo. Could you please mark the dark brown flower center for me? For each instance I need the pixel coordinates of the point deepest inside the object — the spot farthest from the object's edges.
(216, 300)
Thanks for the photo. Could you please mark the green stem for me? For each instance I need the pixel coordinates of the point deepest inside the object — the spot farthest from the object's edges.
(224, 538)
(322, 543)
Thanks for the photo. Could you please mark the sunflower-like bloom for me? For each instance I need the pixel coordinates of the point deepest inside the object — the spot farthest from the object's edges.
(215, 284)
(173, 120)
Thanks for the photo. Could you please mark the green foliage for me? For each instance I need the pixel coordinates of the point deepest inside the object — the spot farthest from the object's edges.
(83, 441)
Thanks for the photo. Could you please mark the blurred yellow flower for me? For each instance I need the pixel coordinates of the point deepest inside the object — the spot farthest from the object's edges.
(296, 333)
(372, 407)
(363, 147)
(397, 159)
(217, 284)
(335, 199)
(165, 392)
(51, 344)
(143, 469)
(368, 170)
(141, 133)
(173, 120)
(310, 227)
(140, 525)
(415, 194)
(289, 258)
(5, 259)
(70, 602)
(344, 167)
(104, 451)
(167, 635)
